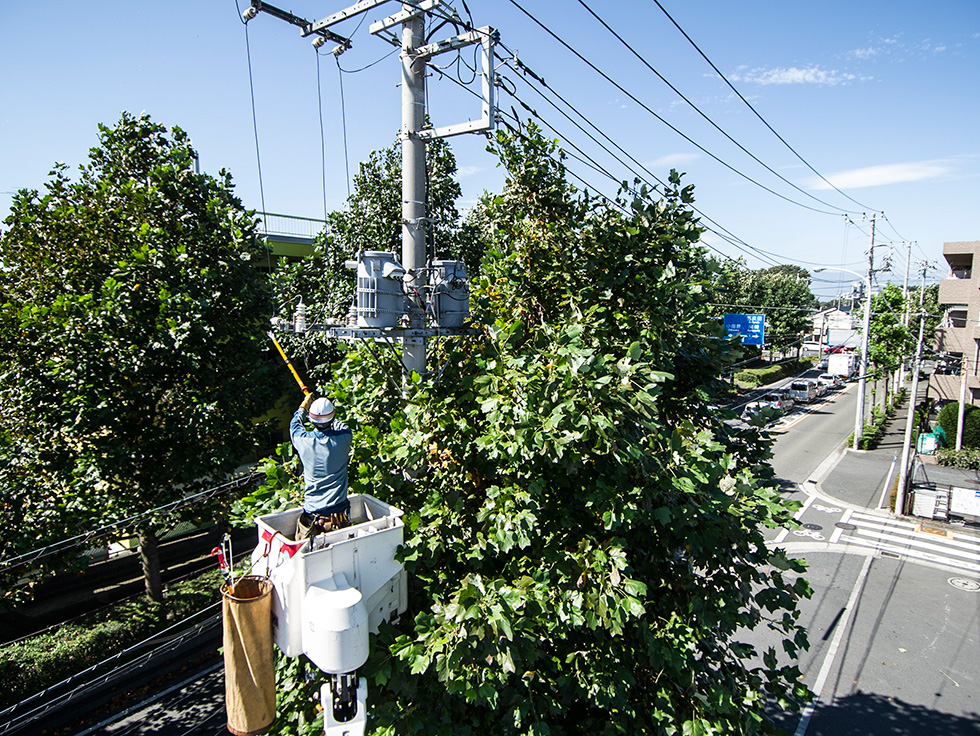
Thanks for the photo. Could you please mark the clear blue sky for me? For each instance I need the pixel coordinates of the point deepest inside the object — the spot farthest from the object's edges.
(880, 97)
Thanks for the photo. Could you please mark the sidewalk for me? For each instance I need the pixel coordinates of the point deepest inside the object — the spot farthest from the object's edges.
(859, 477)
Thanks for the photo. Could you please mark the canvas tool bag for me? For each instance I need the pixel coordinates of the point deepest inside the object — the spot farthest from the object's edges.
(250, 670)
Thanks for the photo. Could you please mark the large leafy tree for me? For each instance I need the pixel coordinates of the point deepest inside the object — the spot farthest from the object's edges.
(131, 330)
(583, 535)
(890, 342)
(782, 293)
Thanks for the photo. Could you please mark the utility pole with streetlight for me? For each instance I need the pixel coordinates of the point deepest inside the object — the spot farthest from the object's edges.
(863, 368)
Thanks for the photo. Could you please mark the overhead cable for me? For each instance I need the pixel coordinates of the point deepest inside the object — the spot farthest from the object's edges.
(756, 112)
(706, 117)
(66, 544)
(660, 118)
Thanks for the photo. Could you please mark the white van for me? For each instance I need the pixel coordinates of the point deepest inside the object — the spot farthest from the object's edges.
(802, 392)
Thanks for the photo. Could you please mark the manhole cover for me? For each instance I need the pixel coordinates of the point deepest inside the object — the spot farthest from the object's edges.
(845, 525)
(812, 526)
(965, 584)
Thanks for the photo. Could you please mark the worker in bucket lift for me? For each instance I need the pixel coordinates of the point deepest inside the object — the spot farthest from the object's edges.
(324, 452)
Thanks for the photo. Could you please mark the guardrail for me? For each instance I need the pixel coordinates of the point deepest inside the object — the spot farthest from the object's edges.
(271, 223)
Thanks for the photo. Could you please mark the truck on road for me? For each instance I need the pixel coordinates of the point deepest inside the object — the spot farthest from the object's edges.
(842, 364)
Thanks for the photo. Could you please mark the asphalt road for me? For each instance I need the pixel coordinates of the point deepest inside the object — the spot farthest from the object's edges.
(894, 621)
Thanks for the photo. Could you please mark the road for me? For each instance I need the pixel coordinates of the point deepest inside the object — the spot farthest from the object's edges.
(894, 621)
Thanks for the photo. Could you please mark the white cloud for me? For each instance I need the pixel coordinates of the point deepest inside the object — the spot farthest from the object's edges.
(875, 176)
(672, 160)
(463, 171)
(865, 53)
(793, 75)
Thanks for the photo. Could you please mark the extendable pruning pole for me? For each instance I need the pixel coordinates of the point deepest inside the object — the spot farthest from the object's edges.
(289, 365)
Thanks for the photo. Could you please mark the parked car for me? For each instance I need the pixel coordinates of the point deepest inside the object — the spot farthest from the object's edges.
(820, 388)
(759, 412)
(779, 398)
(802, 391)
(831, 381)
(822, 365)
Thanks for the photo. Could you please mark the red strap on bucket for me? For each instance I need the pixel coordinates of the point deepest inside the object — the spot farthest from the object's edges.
(291, 549)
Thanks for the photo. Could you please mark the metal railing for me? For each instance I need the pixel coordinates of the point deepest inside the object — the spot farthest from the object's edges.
(271, 223)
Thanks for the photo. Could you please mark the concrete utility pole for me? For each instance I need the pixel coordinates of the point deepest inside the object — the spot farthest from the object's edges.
(863, 376)
(905, 311)
(863, 368)
(961, 410)
(903, 477)
(413, 176)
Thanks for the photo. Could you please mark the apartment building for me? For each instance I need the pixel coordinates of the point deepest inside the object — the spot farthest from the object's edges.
(959, 334)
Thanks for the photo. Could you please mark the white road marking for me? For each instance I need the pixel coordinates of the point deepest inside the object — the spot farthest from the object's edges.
(879, 518)
(835, 537)
(781, 537)
(970, 555)
(915, 554)
(911, 535)
(828, 660)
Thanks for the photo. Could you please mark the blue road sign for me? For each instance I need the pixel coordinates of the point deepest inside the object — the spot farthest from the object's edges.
(751, 327)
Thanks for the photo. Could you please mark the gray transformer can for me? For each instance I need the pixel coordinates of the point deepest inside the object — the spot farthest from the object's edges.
(380, 292)
(450, 293)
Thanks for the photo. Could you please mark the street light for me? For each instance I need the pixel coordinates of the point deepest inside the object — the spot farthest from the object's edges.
(862, 375)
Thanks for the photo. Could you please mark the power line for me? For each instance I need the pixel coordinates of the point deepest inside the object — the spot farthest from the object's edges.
(80, 539)
(756, 112)
(719, 230)
(730, 237)
(706, 117)
(661, 119)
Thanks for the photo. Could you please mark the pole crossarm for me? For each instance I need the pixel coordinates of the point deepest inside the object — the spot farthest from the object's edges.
(307, 27)
(341, 15)
(386, 333)
(403, 15)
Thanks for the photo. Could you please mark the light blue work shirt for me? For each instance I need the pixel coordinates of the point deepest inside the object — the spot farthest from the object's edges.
(324, 453)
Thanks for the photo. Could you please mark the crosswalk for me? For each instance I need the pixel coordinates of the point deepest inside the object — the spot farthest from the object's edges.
(908, 539)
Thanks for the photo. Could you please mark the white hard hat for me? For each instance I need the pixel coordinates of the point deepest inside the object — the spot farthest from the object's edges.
(321, 411)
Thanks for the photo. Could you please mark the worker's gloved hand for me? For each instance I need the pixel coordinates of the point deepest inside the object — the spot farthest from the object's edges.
(305, 406)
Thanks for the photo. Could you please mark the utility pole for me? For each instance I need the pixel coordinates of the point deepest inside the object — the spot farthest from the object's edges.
(961, 410)
(905, 310)
(414, 57)
(413, 178)
(863, 375)
(903, 476)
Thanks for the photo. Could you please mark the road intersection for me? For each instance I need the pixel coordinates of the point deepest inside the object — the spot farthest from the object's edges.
(894, 621)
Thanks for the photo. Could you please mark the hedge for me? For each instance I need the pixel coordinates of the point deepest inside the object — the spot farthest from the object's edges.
(949, 419)
(874, 430)
(755, 377)
(968, 458)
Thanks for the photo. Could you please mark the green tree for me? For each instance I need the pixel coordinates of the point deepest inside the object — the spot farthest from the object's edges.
(890, 341)
(949, 420)
(132, 330)
(583, 533)
(782, 293)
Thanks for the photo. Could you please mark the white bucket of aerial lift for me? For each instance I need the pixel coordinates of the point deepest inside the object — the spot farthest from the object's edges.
(361, 555)
(380, 300)
(335, 626)
(450, 293)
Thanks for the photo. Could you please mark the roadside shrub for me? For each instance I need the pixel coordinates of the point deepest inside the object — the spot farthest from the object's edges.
(874, 430)
(922, 412)
(969, 458)
(755, 377)
(948, 416)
